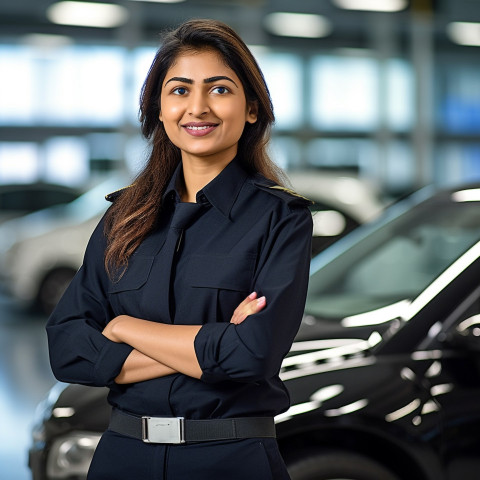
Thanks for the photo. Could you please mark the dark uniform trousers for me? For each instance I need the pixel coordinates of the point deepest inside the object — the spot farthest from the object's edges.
(119, 457)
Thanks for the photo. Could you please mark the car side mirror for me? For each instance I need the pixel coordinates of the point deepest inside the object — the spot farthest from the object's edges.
(466, 335)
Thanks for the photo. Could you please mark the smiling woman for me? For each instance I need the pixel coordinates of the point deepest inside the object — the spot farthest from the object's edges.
(204, 115)
(193, 285)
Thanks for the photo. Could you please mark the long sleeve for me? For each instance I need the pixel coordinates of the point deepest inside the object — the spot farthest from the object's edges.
(79, 353)
(254, 350)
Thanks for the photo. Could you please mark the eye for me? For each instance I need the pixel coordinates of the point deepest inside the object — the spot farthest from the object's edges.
(220, 90)
(179, 91)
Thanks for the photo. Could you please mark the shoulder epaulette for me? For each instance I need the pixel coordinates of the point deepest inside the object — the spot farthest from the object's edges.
(111, 197)
(292, 197)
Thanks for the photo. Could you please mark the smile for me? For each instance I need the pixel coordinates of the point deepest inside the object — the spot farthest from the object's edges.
(199, 130)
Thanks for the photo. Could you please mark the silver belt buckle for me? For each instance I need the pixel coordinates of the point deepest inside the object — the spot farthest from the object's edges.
(163, 430)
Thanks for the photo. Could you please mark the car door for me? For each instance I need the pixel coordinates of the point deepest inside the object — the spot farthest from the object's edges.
(454, 382)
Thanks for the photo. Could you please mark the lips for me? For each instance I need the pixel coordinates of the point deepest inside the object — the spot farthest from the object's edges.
(199, 129)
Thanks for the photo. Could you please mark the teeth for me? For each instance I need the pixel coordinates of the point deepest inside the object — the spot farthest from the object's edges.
(198, 128)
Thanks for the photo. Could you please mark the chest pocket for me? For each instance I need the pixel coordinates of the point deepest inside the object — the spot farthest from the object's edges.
(127, 295)
(224, 272)
(135, 276)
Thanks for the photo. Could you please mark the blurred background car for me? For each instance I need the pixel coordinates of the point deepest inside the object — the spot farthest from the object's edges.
(342, 202)
(40, 253)
(384, 373)
(19, 199)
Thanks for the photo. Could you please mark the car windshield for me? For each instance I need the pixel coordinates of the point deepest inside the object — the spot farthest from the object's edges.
(382, 267)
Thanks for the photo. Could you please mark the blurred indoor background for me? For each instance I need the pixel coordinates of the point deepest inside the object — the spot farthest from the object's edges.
(386, 91)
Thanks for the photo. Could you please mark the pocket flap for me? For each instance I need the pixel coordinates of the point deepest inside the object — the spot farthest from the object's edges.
(135, 276)
(228, 272)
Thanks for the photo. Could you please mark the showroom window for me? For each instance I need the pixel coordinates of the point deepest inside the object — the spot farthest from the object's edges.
(346, 93)
(75, 85)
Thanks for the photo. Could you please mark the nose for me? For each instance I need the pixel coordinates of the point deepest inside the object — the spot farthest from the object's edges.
(198, 105)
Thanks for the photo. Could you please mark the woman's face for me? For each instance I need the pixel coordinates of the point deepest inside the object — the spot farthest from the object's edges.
(203, 107)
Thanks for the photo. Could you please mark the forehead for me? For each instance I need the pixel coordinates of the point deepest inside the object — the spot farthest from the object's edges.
(200, 64)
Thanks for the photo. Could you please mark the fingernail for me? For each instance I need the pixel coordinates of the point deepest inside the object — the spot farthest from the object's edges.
(252, 295)
(261, 300)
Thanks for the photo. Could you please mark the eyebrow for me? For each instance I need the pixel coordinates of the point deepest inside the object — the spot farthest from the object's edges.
(219, 77)
(206, 80)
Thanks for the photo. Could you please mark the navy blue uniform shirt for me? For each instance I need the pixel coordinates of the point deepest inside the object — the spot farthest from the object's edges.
(244, 234)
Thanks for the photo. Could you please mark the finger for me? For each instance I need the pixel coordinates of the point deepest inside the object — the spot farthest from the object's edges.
(238, 312)
(260, 304)
(247, 300)
(253, 307)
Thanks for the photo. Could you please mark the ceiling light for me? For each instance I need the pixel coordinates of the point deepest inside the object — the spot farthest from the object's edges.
(373, 5)
(86, 14)
(464, 33)
(297, 25)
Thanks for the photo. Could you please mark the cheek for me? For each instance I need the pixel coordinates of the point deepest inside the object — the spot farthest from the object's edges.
(171, 112)
(172, 132)
(234, 113)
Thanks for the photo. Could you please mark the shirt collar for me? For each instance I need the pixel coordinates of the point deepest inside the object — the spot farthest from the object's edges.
(171, 192)
(221, 192)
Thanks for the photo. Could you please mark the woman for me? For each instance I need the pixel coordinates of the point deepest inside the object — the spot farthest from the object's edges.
(193, 285)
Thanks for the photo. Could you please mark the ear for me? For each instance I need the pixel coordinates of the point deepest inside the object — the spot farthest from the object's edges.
(160, 116)
(252, 112)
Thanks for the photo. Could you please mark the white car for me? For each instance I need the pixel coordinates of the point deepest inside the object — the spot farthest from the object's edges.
(40, 253)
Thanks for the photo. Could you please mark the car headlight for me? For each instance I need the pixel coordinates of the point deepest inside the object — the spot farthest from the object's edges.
(71, 455)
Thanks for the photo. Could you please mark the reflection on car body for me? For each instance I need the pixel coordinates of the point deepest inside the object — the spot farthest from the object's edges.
(384, 373)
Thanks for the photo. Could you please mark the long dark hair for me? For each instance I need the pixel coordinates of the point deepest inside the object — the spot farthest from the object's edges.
(134, 213)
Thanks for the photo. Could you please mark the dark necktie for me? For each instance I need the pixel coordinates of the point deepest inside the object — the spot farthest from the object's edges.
(183, 217)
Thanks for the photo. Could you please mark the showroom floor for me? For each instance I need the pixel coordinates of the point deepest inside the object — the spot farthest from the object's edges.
(25, 379)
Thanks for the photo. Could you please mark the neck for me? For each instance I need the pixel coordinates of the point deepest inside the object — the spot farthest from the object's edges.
(197, 173)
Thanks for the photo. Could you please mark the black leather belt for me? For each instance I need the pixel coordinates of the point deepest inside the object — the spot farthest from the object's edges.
(175, 430)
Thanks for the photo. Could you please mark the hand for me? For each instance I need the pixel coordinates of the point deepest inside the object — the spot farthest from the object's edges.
(249, 306)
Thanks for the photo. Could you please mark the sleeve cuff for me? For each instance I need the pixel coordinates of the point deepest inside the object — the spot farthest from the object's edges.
(206, 348)
(110, 361)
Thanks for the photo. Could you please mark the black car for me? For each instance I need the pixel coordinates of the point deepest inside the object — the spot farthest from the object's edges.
(384, 373)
